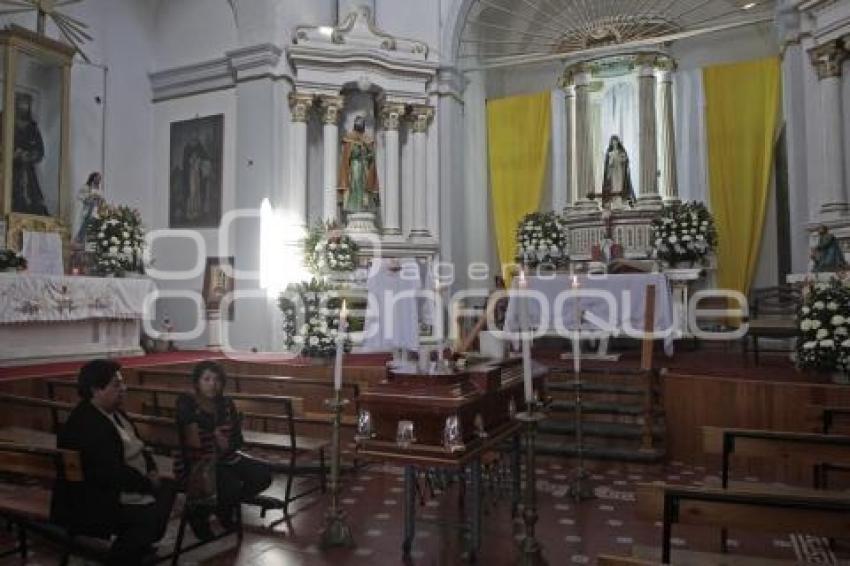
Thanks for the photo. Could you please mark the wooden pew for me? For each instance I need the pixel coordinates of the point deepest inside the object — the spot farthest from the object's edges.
(790, 510)
(314, 391)
(830, 418)
(814, 449)
(280, 450)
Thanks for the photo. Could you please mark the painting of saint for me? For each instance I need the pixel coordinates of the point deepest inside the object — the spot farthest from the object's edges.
(27, 197)
(196, 172)
(218, 283)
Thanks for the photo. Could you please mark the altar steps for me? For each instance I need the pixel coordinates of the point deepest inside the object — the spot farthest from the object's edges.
(617, 422)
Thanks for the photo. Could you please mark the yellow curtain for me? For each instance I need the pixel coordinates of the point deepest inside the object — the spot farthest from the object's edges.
(742, 102)
(518, 133)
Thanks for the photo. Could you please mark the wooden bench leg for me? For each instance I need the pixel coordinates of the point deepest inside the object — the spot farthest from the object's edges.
(323, 477)
(756, 349)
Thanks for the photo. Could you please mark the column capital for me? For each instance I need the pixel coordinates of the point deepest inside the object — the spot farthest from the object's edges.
(331, 105)
(665, 65)
(647, 63)
(828, 58)
(421, 115)
(300, 104)
(391, 114)
(575, 76)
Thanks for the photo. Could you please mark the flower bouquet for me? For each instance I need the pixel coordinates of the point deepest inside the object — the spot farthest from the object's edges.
(118, 238)
(684, 233)
(311, 324)
(328, 250)
(824, 322)
(11, 261)
(541, 238)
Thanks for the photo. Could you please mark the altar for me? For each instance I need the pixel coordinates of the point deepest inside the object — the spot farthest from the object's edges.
(52, 318)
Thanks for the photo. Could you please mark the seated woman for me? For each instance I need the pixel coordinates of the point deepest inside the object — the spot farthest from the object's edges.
(122, 493)
(212, 437)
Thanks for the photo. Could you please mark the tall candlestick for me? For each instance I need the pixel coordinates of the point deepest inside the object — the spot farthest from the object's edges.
(526, 340)
(340, 346)
(577, 339)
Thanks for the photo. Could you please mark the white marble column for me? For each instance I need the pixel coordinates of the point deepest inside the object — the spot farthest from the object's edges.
(391, 114)
(649, 197)
(560, 185)
(331, 107)
(300, 105)
(827, 61)
(669, 178)
(421, 116)
(583, 142)
(570, 104)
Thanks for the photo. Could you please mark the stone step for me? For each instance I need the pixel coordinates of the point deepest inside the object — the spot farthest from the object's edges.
(596, 452)
(596, 408)
(591, 387)
(598, 429)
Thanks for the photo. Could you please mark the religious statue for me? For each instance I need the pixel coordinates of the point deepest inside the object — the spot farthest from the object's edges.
(89, 199)
(29, 151)
(827, 255)
(617, 180)
(358, 176)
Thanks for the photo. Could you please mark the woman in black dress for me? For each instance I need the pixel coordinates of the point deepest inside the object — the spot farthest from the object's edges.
(212, 465)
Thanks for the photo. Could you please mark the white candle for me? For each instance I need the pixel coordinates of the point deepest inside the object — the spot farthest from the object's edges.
(340, 346)
(526, 341)
(577, 339)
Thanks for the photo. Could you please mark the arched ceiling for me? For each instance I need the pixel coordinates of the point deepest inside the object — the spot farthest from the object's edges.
(496, 29)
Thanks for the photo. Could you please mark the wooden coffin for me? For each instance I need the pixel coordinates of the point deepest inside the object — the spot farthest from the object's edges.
(482, 398)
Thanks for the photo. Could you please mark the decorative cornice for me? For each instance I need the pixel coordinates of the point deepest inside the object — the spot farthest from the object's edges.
(391, 115)
(300, 104)
(239, 65)
(421, 116)
(331, 106)
(216, 74)
(828, 59)
(253, 62)
(450, 82)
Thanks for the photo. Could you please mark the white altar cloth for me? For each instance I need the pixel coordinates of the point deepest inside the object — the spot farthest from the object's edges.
(54, 318)
(627, 290)
(44, 298)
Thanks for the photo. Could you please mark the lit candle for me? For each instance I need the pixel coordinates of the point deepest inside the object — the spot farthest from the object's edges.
(340, 346)
(526, 340)
(577, 339)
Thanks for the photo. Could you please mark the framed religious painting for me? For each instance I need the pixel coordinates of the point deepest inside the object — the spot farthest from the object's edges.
(197, 153)
(218, 283)
(35, 74)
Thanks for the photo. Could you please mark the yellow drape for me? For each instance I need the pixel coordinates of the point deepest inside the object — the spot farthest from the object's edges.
(742, 102)
(518, 133)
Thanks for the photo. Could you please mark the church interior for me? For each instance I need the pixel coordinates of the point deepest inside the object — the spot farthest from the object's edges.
(425, 282)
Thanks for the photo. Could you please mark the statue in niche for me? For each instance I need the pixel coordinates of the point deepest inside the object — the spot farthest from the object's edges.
(827, 255)
(358, 175)
(617, 179)
(29, 151)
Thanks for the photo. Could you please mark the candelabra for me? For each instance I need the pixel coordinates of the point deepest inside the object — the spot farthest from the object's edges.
(531, 552)
(579, 486)
(336, 531)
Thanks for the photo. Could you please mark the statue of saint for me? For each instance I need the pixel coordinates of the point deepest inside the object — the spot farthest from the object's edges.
(358, 176)
(827, 255)
(617, 180)
(29, 151)
(89, 199)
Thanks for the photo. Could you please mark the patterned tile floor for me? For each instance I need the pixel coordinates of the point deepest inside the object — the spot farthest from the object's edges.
(570, 533)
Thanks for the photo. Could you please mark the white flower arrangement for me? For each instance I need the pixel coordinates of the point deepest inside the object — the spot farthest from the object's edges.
(541, 238)
(119, 240)
(684, 233)
(328, 250)
(824, 343)
(318, 311)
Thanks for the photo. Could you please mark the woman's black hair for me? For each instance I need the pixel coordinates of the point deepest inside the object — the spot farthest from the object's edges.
(96, 374)
(209, 365)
